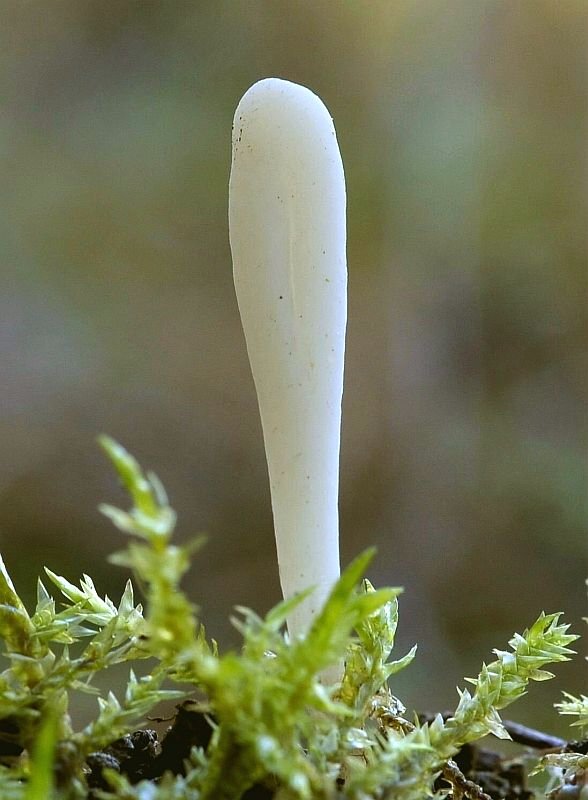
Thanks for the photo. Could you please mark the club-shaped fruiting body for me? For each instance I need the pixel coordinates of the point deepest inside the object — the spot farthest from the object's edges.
(288, 234)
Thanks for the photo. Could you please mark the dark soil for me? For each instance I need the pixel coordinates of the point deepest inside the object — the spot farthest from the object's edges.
(475, 773)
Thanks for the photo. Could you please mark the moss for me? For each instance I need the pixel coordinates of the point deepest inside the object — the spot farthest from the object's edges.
(259, 723)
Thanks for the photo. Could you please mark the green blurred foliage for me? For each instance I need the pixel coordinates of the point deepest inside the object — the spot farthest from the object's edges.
(463, 128)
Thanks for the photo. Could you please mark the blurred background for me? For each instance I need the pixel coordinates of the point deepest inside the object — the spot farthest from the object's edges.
(463, 129)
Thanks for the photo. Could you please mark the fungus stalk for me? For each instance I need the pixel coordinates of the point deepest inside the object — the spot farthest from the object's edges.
(287, 235)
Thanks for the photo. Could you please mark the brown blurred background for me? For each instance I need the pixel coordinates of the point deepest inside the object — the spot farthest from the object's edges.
(463, 129)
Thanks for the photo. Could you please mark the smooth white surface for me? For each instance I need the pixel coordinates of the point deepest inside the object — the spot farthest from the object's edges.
(288, 233)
